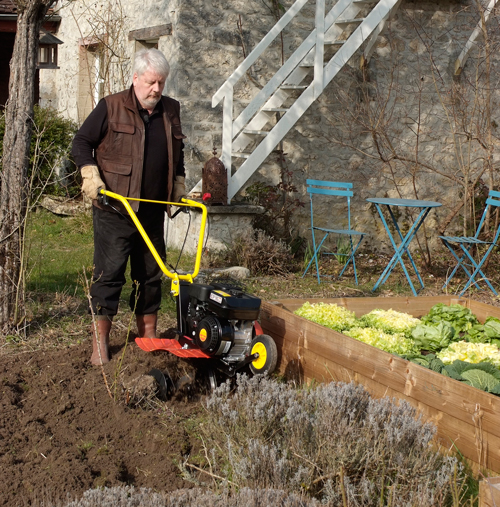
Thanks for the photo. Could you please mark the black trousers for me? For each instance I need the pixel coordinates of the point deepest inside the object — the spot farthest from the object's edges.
(116, 240)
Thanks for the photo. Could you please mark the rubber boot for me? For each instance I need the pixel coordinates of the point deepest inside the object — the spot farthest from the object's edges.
(146, 325)
(100, 347)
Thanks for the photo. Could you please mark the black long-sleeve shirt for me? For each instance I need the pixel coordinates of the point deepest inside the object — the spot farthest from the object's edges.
(154, 176)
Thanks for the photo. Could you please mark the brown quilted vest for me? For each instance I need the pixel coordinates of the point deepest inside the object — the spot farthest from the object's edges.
(120, 155)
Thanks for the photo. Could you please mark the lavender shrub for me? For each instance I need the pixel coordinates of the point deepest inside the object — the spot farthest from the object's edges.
(128, 496)
(331, 441)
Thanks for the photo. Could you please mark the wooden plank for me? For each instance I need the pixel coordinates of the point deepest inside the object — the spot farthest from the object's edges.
(152, 32)
(465, 416)
(482, 310)
(489, 492)
(416, 306)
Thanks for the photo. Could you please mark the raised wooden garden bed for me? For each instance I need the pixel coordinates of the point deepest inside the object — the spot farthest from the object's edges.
(466, 418)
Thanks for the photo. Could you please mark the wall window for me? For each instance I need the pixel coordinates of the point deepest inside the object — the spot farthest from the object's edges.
(90, 77)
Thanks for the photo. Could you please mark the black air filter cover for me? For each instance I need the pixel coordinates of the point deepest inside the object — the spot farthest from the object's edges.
(232, 303)
(199, 291)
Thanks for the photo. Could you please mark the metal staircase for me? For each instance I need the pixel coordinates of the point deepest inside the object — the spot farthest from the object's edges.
(257, 130)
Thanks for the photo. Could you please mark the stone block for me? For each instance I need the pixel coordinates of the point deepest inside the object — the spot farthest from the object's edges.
(225, 224)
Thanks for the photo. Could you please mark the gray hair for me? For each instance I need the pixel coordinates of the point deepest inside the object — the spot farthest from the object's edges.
(152, 59)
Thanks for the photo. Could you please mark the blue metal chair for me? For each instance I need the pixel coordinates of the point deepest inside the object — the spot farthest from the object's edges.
(335, 189)
(466, 261)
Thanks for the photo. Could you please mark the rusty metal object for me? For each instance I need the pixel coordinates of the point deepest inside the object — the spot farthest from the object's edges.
(214, 180)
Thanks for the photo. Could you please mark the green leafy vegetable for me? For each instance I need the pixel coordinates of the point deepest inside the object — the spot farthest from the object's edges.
(417, 359)
(484, 376)
(492, 327)
(328, 315)
(394, 343)
(433, 337)
(389, 321)
(480, 379)
(461, 318)
(485, 333)
(461, 366)
(452, 372)
(476, 334)
(470, 352)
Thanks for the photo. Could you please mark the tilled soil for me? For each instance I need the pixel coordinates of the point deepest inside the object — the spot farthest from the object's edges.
(66, 427)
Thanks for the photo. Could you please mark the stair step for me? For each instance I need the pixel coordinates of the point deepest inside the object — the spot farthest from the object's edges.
(275, 109)
(327, 43)
(365, 2)
(334, 42)
(345, 22)
(255, 132)
(293, 87)
(242, 154)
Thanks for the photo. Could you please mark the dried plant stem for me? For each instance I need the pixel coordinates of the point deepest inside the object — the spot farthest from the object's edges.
(209, 473)
(94, 325)
(205, 450)
(342, 488)
(120, 362)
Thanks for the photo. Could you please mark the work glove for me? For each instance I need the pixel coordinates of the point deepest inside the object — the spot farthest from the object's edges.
(91, 181)
(179, 189)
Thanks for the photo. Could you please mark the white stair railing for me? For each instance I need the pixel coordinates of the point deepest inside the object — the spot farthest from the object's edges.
(254, 122)
(462, 58)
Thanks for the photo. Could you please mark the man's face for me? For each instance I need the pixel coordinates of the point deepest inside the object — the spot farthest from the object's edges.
(148, 88)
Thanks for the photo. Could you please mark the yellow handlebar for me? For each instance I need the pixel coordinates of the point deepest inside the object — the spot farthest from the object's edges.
(175, 277)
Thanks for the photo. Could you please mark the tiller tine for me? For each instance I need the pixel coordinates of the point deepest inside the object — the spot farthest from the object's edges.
(169, 345)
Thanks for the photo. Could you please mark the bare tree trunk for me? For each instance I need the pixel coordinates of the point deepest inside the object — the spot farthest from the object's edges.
(16, 145)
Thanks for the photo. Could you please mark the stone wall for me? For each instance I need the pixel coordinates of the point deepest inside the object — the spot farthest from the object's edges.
(395, 130)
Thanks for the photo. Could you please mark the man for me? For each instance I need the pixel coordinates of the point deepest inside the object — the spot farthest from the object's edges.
(130, 144)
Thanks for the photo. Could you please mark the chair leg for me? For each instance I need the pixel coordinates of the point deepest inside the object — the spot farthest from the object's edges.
(459, 260)
(352, 258)
(308, 266)
(477, 268)
(315, 257)
(314, 252)
(472, 278)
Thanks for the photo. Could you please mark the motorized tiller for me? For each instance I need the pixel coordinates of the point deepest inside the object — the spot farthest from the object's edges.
(217, 321)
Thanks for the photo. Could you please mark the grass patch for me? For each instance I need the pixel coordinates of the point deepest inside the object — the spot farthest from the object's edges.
(58, 250)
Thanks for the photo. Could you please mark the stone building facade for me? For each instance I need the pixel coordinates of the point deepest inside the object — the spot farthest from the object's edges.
(403, 126)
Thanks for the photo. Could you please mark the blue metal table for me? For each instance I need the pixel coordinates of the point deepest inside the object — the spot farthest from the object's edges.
(403, 248)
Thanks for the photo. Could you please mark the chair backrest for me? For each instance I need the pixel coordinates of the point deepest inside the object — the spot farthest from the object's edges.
(493, 200)
(333, 188)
